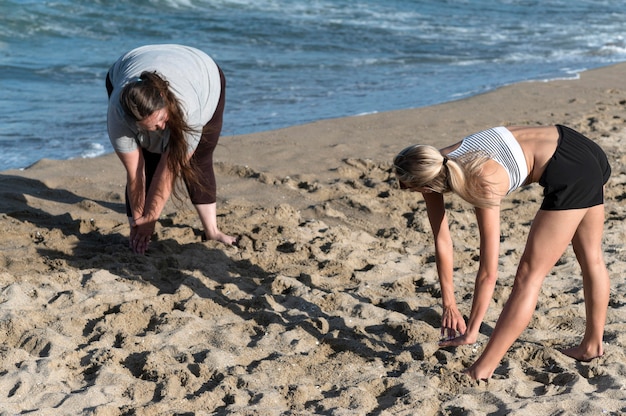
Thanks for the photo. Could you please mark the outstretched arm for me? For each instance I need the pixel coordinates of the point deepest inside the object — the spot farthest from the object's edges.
(489, 227)
(158, 194)
(135, 189)
(451, 320)
(135, 180)
(145, 207)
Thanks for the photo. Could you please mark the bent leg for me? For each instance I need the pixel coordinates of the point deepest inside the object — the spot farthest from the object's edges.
(549, 236)
(204, 194)
(587, 245)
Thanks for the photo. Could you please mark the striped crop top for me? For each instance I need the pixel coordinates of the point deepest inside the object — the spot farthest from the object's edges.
(499, 144)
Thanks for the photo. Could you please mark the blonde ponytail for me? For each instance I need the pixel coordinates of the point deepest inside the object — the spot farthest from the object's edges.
(423, 166)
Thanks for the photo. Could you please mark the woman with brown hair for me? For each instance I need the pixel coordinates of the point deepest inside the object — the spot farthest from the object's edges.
(166, 105)
(482, 169)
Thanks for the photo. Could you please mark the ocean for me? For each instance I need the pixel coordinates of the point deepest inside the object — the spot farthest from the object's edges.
(286, 62)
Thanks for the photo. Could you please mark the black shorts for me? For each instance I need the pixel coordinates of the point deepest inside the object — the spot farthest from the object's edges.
(575, 175)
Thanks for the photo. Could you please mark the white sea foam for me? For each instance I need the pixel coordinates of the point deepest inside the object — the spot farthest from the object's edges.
(94, 150)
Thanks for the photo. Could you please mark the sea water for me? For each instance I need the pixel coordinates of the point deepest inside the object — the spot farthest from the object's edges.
(286, 62)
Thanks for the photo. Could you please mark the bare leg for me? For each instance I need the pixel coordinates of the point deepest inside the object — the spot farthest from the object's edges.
(587, 244)
(208, 217)
(549, 236)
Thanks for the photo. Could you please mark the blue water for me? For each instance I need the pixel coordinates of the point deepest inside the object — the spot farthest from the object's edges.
(286, 62)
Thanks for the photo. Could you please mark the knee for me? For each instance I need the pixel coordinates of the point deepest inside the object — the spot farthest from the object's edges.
(589, 259)
(528, 276)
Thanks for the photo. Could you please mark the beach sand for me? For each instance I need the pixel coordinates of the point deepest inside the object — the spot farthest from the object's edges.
(330, 305)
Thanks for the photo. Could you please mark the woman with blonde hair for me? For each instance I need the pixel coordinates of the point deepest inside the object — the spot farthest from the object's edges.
(482, 169)
(166, 105)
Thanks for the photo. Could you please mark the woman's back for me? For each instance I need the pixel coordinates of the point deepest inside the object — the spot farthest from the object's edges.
(538, 144)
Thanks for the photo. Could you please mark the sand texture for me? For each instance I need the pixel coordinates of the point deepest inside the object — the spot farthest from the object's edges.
(330, 305)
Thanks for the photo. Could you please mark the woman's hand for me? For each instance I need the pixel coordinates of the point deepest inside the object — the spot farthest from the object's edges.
(452, 322)
(141, 231)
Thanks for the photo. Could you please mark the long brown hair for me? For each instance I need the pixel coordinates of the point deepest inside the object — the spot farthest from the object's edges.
(423, 166)
(150, 93)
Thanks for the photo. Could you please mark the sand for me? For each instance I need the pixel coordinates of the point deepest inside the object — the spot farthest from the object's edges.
(330, 305)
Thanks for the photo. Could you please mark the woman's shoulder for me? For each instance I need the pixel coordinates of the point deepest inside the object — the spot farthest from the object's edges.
(451, 148)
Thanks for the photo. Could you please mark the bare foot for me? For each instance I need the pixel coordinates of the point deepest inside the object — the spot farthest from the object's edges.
(464, 339)
(222, 238)
(581, 354)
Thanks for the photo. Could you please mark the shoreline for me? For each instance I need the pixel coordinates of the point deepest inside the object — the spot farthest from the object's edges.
(575, 77)
(331, 303)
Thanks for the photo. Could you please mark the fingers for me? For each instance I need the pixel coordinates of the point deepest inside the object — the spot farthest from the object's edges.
(139, 243)
(451, 326)
(140, 235)
(454, 342)
(452, 333)
(140, 247)
(448, 334)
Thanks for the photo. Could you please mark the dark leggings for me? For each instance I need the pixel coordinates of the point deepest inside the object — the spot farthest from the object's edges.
(206, 191)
